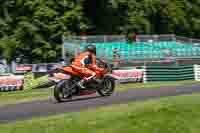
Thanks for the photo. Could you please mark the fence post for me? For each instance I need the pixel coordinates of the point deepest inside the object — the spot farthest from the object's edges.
(196, 72)
(191, 41)
(13, 67)
(155, 38)
(63, 47)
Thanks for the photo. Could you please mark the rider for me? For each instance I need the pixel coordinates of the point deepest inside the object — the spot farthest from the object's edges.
(85, 64)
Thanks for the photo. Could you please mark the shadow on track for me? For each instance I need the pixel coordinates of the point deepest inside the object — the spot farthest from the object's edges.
(79, 99)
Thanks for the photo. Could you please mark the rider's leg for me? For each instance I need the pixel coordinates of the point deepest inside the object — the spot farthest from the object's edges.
(89, 75)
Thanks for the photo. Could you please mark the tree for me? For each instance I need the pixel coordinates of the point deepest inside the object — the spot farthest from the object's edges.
(8, 48)
(35, 28)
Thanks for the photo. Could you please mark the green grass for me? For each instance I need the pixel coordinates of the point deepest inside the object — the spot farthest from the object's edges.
(38, 94)
(168, 115)
(155, 85)
(24, 96)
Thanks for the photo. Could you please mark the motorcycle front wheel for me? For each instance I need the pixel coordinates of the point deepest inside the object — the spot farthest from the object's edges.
(62, 90)
(108, 86)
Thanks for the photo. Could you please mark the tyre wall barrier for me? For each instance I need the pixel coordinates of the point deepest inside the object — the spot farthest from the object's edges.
(7, 88)
(11, 83)
(169, 73)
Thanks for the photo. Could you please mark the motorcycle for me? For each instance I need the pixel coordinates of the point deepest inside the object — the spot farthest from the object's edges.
(67, 85)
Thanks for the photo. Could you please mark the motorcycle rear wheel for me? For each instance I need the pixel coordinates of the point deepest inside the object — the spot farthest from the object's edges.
(108, 87)
(61, 90)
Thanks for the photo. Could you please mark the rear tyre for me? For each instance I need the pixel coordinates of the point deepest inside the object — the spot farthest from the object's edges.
(62, 90)
(108, 86)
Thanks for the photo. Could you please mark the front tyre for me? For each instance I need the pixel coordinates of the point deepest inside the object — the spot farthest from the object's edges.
(62, 90)
(108, 86)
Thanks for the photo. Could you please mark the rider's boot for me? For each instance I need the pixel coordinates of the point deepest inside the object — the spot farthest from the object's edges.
(81, 84)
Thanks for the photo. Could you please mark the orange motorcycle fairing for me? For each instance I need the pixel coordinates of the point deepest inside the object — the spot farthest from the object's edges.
(69, 70)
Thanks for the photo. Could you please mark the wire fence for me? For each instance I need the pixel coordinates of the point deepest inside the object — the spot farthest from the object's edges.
(152, 51)
(95, 39)
(155, 38)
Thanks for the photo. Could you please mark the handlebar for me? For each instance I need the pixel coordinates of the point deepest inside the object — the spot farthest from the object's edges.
(105, 65)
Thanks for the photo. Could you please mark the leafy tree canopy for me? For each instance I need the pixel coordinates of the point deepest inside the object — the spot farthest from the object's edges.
(33, 29)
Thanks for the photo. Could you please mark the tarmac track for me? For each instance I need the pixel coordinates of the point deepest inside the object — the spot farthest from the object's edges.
(25, 111)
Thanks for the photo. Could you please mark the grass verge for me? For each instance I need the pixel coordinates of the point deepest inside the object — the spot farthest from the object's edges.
(155, 85)
(39, 94)
(24, 96)
(167, 115)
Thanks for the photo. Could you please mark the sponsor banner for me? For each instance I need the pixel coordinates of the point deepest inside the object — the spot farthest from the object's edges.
(24, 68)
(43, 68)
(21, 68)
(36, 68)
(40, 68)
(132, 75)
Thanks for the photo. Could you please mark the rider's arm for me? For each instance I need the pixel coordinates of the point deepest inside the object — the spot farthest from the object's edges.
(94, 65)
(94, 60)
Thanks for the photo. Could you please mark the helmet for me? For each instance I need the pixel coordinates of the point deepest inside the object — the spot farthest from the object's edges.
(91, 48)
